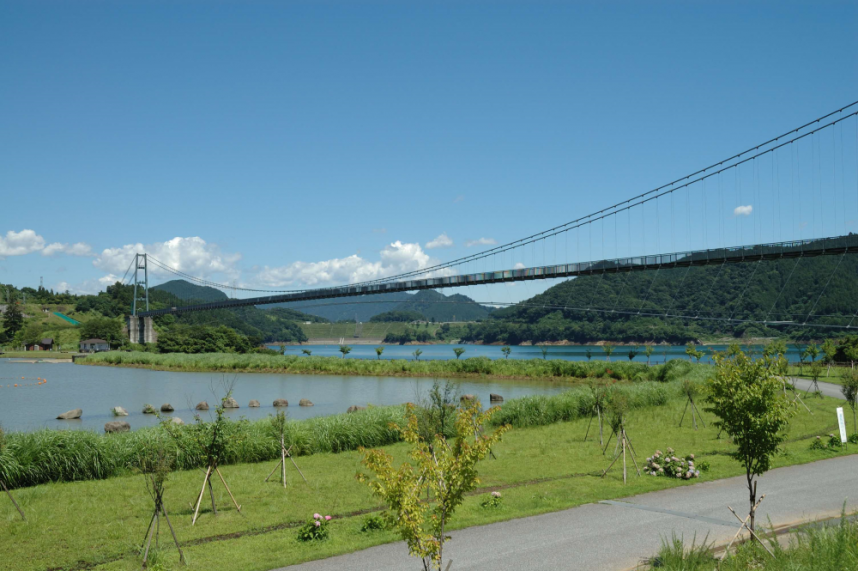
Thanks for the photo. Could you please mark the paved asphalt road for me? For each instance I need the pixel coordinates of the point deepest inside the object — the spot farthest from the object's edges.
(618, 535)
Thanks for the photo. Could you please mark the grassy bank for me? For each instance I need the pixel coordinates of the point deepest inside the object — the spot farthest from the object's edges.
(96, 524)
(473, 367)
(35, 355)
(71, 455)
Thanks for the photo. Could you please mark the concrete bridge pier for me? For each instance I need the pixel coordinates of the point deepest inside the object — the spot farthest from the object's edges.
(141, 330)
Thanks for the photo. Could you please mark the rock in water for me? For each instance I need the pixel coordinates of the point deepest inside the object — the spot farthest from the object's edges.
(167, 407)
(230, 403)
(464, 398)
(495, 398)
(202, 405)
(119, 411)
(149, 409)
(178, 421)
(253, 404)
(117, 426)
(281, 402)
(305, 402)
(72, 414)
(355, 408)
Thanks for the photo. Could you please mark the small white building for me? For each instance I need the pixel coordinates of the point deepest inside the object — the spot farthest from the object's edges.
(94, 346)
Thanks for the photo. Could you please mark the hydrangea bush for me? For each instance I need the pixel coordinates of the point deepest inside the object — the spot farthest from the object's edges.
(316, 528)
(671, 466)
(493, 500)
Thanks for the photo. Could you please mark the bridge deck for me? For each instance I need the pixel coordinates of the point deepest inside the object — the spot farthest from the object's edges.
(741, 254)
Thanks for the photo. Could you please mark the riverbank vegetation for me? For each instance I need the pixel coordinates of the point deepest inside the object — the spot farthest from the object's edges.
(473, 367)
(538, 469)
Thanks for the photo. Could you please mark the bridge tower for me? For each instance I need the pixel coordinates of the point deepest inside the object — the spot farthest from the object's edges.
(141, 330)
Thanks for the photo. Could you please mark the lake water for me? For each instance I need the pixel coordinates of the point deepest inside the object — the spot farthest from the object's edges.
(97, 390)
(566, 352)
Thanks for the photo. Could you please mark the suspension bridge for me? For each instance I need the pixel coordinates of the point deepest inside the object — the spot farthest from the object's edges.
(792, 196)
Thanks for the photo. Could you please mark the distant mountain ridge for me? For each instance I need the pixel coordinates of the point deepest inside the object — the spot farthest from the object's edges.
(429, 303)
(186, 290)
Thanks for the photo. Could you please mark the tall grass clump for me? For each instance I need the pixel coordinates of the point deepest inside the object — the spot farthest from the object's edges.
(473, 367)
(33, 458)
(828, 546)
(538, 410)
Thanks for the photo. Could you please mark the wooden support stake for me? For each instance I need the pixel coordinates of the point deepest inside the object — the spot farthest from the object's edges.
(745, 525)
(175, 539)
(296, 465)
(17, 507)
(238, 507)
(200, 499)
(283, 462)
(149, 540)
(273, 470)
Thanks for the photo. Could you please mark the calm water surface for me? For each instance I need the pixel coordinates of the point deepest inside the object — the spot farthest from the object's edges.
(97, 390)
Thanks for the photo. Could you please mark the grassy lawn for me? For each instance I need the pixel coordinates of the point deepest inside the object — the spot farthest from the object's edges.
(96, 524)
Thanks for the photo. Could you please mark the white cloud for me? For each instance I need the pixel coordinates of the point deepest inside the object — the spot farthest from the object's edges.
(743, 210)
(88, 286)
(20, 243)
(396, 258)
(442, 241)
(79, 249)
(518, 266)
(190, 255)
(379, 230)
(481, 242)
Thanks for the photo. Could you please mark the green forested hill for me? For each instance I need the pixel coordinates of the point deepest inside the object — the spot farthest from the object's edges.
(429, 303)
(434, 305)
(783, 290)
(186, 290)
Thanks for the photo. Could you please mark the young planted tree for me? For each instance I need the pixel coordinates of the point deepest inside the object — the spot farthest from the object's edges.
(156, 463)
(600, 399)
(692, 352)
(444, 468)
(506, 351)
(633, 352)
(690, 390)
(209, 440)
(648, 351)
(458, 351)
(345, 350)
(618, 406)
(829, 350)
(811, 351)
(588, 353)
(544, 351)
(2, 475)
(378, 352)
(609, 350)
(850, 393)
(278, 429)
(307, 352)
(747, 399)
(815, 373)
(417, 353)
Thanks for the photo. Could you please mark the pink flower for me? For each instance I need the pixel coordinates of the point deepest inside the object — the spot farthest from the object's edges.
(318, 523)
(327, 518)
(317, 516)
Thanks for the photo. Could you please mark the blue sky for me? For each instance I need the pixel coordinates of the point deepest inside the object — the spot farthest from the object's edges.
(292, 144)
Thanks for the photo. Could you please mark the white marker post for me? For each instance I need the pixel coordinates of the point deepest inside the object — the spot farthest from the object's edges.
(842, 423)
